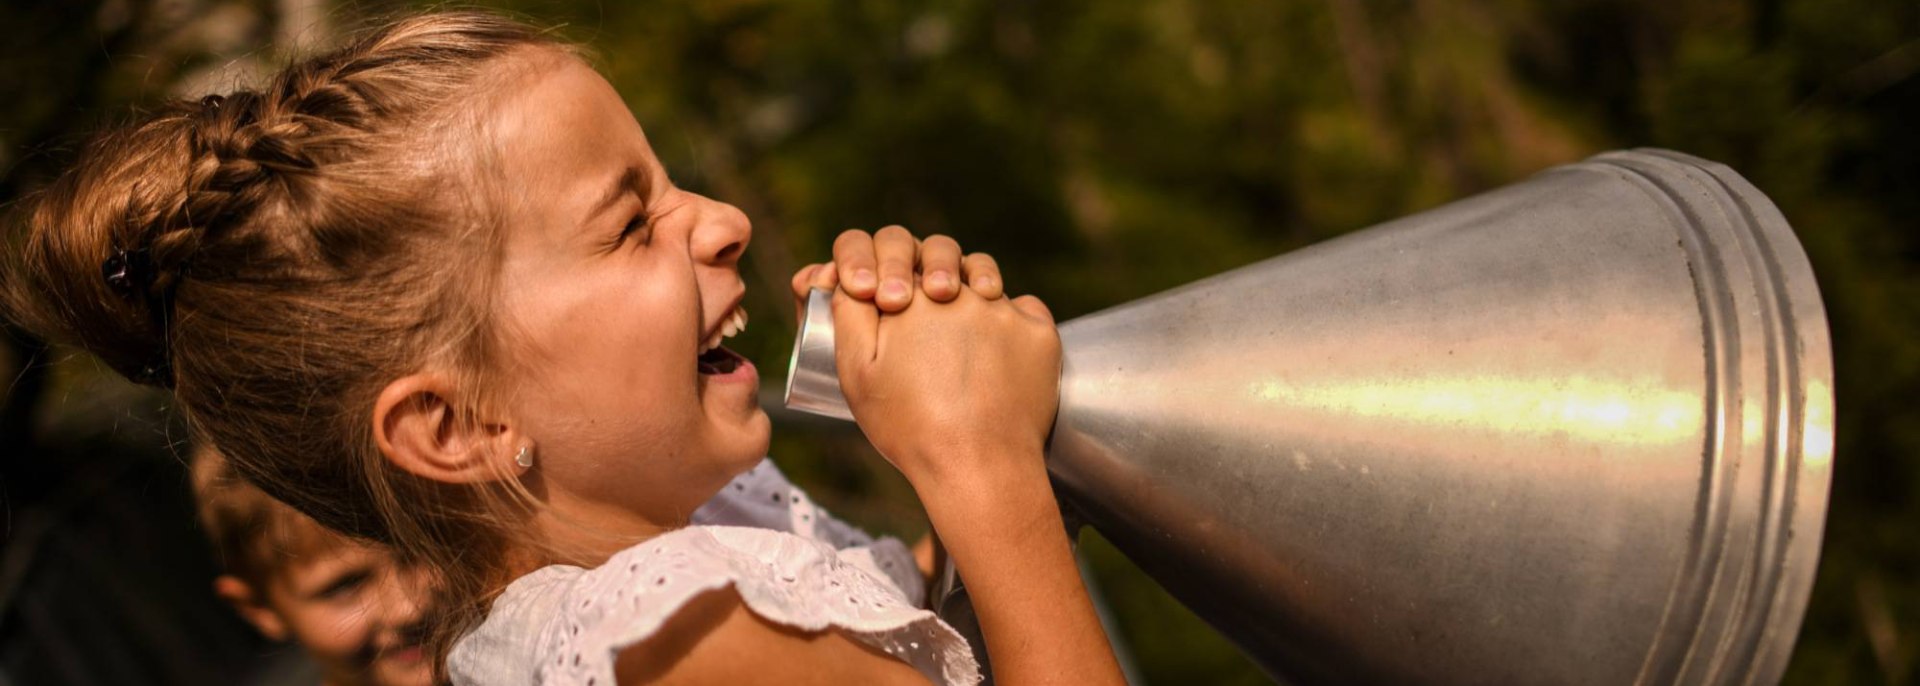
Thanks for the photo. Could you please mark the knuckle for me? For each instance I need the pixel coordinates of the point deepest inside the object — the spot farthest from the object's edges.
(848, 236)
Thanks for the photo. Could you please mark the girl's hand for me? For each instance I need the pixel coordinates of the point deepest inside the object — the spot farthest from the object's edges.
(958, 395)
(886, 267)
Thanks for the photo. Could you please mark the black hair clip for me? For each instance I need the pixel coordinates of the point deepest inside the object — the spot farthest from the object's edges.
(128, 272)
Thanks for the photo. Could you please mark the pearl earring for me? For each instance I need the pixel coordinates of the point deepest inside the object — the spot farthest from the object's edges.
(524, 458)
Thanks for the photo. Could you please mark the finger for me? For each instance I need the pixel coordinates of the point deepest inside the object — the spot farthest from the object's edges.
(940, 268)
(983, 275)
(1032, 307)
(856, 326)
(853, 251)
(826, 279)
(895, 249)
(810, 277)
(802, 281)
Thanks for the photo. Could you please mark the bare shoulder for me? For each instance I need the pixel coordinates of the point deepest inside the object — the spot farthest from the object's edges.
(715, 639)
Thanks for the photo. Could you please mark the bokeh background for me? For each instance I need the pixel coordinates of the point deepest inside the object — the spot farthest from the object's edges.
(1103, 150)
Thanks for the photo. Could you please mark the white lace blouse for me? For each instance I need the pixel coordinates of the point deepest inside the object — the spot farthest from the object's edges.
(790, 561)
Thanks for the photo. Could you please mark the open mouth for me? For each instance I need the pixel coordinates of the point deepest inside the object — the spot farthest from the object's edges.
(715, 358)
(719, 360)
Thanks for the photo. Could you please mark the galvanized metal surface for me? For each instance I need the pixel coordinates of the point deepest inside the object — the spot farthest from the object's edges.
(1576, 430)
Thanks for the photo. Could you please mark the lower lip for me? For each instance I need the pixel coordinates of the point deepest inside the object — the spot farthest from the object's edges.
(405, 655)
(744, 372)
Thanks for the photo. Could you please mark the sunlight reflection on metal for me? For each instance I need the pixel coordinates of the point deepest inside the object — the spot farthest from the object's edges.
(1817, 433)
(1578, 407)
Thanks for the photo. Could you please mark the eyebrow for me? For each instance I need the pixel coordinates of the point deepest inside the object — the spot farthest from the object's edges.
(629, 179)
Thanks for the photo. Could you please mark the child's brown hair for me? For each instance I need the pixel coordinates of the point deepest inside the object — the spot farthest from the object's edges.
(251, 533)
(277, 256)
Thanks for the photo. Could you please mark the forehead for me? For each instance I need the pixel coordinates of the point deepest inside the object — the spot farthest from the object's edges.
(561, 120)
(291, 543)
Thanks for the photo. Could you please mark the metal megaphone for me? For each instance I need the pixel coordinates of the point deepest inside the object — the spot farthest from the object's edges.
(1577, 430)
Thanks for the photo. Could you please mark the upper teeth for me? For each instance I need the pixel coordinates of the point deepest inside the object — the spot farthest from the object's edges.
(735, 322)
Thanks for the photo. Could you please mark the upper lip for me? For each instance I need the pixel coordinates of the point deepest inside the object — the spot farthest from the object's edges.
(714, 328)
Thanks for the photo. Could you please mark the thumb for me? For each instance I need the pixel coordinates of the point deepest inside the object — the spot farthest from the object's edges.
(801, 279)
(1032, 307)
(810, 277)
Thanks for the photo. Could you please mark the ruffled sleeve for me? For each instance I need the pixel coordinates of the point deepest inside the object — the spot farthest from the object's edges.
(763, 498)
(784, 578)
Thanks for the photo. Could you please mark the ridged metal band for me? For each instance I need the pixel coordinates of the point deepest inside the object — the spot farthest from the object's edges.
(1736, 606)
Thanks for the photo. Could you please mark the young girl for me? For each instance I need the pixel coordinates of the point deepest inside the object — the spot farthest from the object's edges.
(435, 290)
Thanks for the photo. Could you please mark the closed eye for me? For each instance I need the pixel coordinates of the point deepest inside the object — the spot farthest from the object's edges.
(641, 226)
(345, 585)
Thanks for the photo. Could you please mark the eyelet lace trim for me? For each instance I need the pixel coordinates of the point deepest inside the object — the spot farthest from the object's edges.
(782, 577)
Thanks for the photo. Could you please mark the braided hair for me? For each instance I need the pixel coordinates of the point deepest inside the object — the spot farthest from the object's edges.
(275, 257)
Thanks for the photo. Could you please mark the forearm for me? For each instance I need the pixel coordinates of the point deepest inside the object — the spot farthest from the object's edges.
(1011, 547)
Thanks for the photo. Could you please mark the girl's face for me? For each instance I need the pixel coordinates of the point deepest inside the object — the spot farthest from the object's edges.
(612, 282)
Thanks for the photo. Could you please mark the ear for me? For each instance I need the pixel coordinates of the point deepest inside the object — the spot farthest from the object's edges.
(252, 607)
(420, 430)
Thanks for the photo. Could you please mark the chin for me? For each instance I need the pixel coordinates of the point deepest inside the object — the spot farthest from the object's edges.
(736, 444)
(759, 433)
(408, 676)
(411, 668)
(748, 444)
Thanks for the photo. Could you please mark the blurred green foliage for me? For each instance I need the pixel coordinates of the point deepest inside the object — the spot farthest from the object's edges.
(1107, 150)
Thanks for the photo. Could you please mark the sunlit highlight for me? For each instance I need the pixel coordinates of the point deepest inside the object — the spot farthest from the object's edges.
(1580, 408)
(1816, 434)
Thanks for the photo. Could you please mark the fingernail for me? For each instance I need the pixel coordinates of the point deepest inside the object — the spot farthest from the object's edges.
(893, 289)
(863, 278)
(983, 282)
(940, 280)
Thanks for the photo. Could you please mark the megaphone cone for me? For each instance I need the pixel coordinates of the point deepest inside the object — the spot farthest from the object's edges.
(1574, 430)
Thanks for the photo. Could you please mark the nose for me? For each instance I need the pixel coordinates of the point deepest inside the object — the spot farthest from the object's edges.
(722, 233)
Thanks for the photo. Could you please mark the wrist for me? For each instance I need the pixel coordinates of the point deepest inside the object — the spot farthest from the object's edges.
(960, 476)
(997, 507)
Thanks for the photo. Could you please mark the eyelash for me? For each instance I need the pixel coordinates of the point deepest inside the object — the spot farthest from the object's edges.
(640, 223)
(345, 585)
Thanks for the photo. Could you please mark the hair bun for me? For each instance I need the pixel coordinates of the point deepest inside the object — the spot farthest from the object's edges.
(110, 243)
(89, 270)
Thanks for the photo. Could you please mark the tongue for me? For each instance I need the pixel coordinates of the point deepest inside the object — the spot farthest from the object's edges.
(718, 361)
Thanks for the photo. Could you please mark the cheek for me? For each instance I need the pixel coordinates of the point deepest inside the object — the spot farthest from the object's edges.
(331, 633)
(619, 364)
